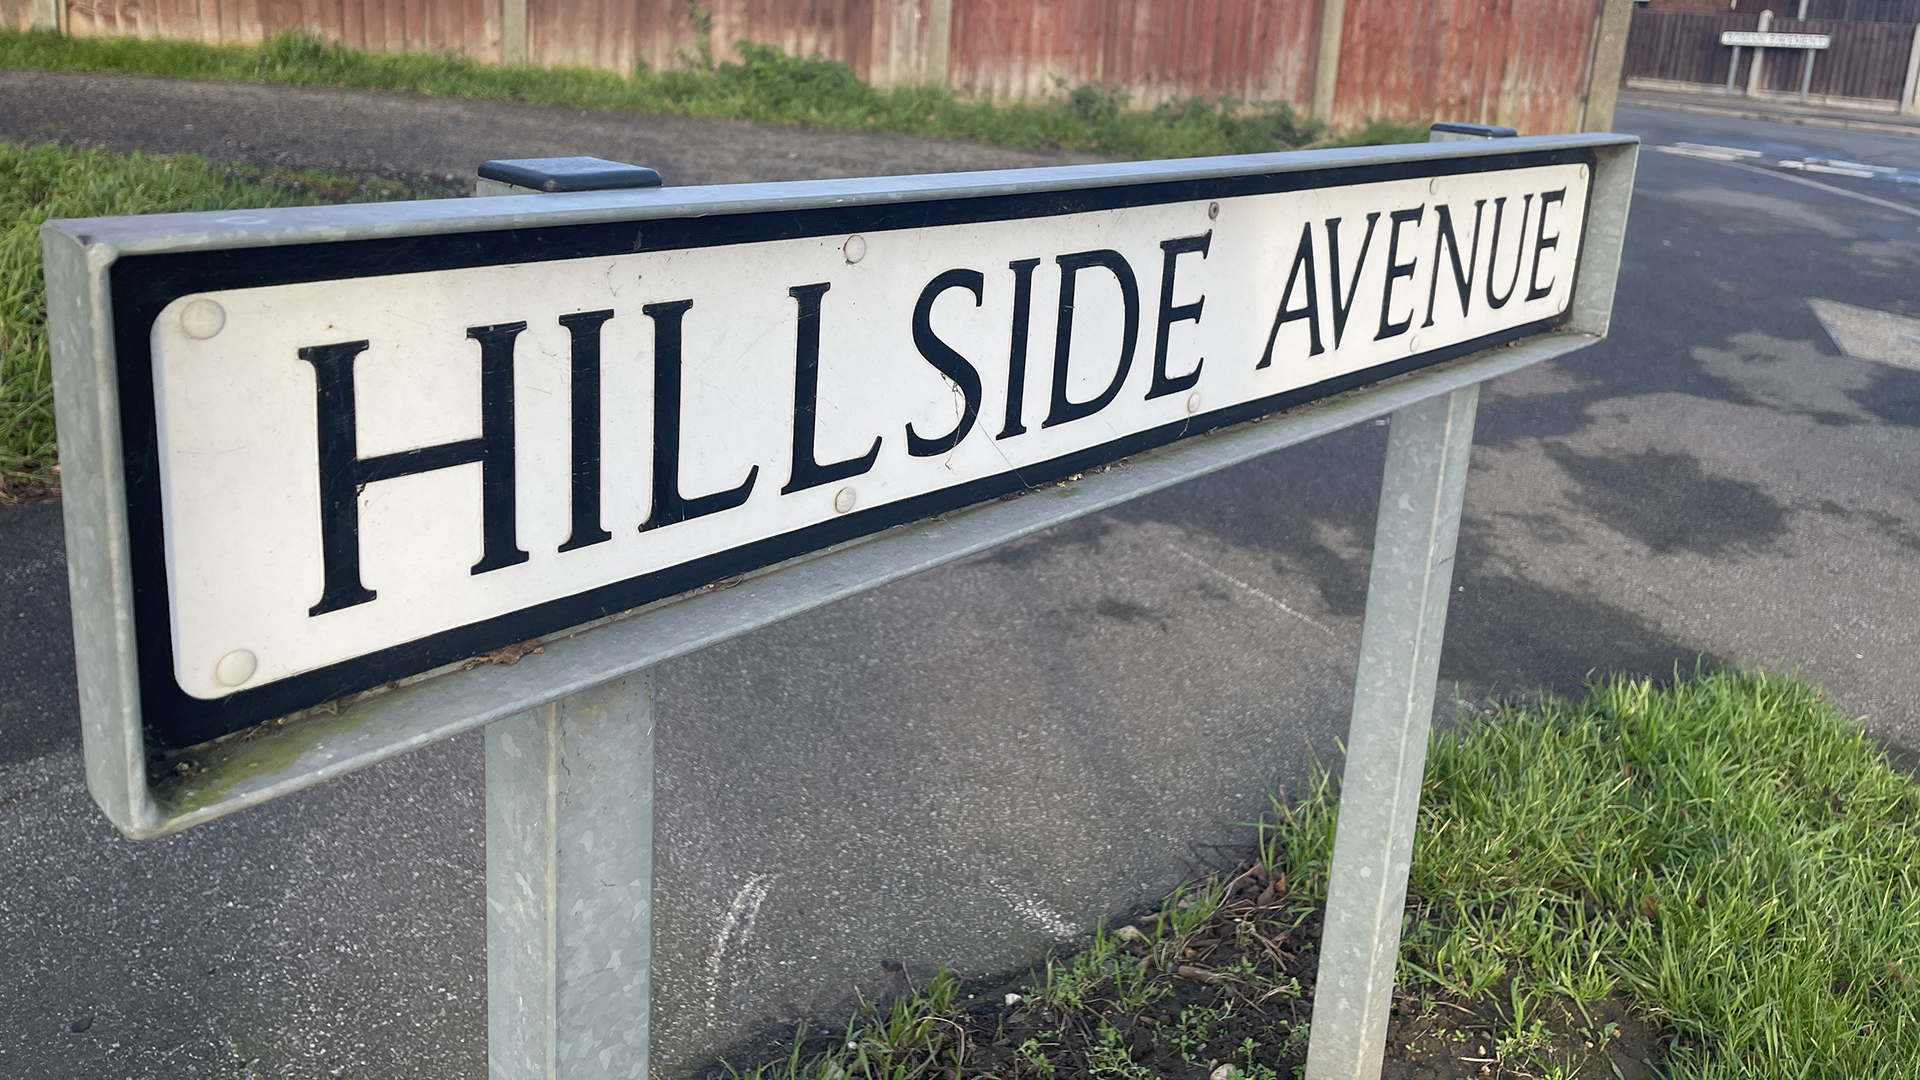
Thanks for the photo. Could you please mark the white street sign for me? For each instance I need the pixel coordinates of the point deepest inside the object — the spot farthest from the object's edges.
(1755, 39)
(334, 449)
(747, 393)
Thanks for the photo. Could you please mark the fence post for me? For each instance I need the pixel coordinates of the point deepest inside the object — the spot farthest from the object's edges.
(1759, 56)
(1326, 64)
(47, 15)
(1603, 72)
(1910, 94)
(939, 41)
(513, 31)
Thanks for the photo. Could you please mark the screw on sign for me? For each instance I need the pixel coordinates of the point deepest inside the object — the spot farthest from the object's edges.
(354, 479)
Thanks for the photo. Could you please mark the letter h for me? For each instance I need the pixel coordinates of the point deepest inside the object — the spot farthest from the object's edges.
(343, 472)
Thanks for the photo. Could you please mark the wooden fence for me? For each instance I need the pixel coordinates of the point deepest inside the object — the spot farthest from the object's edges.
(1867, 60)
(1893, 11)
(1254, 50)
(1681, 46)
(1525, 63)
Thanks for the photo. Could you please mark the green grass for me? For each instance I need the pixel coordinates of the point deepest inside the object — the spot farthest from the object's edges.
(41, 182)
(762, 84)
(1730, 854)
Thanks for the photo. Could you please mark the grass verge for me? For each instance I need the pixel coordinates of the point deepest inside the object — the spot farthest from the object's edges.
(41, 182)
(763, 84)
(1712, 879)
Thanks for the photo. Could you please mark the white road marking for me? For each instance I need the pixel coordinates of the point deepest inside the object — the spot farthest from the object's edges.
(1858, 171)
(1870, 334)
(1792, 170)
(741, 916)
(1708, 151)
(1035, 912)
(1830, 189)
(1252, 590)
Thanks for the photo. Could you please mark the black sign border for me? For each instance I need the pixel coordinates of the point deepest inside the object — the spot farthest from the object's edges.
(142, 285)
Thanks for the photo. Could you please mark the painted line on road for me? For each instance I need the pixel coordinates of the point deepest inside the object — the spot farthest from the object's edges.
(1870, 334)
(1831, 189)
(1253, 589)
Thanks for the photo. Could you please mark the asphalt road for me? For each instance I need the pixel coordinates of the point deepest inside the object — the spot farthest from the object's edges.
(971, 764)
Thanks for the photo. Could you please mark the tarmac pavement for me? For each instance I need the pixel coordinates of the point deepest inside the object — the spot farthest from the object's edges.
(973, 764)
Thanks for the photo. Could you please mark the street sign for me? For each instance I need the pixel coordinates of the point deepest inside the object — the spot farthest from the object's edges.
(341, 482)
(1759, 39)
(360, 444)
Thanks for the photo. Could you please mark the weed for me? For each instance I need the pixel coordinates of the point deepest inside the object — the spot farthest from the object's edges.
(1109, 1059)
(1194, 1032)
(916, 1035)
(1034, 1055)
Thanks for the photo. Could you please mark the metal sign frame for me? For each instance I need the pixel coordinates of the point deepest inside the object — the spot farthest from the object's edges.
(556, 1007)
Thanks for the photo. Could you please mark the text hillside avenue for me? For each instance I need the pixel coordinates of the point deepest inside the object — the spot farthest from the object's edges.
(343, 473)
(480, 454)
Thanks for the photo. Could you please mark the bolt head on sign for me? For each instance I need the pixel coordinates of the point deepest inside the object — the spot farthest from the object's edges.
(356, 453)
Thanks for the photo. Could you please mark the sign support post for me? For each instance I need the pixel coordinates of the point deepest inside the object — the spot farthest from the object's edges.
(570, 830)
(570, 886)
(1422, 489)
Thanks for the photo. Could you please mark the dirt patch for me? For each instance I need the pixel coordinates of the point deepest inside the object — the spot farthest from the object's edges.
(1215, 985)
(18, 492)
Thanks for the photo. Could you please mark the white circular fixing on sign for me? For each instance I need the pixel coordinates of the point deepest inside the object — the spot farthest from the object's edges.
(1433, 186)
(843, 499)
(1213, 211)
(201, 319)
(235, 668)
(1413, 343)
(1193, 402)
(1583, 172)
(855, 248)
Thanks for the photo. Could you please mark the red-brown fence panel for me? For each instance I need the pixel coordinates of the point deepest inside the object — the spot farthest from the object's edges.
(616, 35)
(468, 26)
(1522, 63)
(1253, 50)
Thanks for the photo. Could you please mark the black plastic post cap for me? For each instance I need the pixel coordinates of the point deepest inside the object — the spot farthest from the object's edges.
(569, 174)
(1473, 131)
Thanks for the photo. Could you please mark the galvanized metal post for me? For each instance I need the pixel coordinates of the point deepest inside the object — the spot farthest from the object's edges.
(570, 827)
(1806, 74)
(1733, 69)
(570, 886)
(1408, 588)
